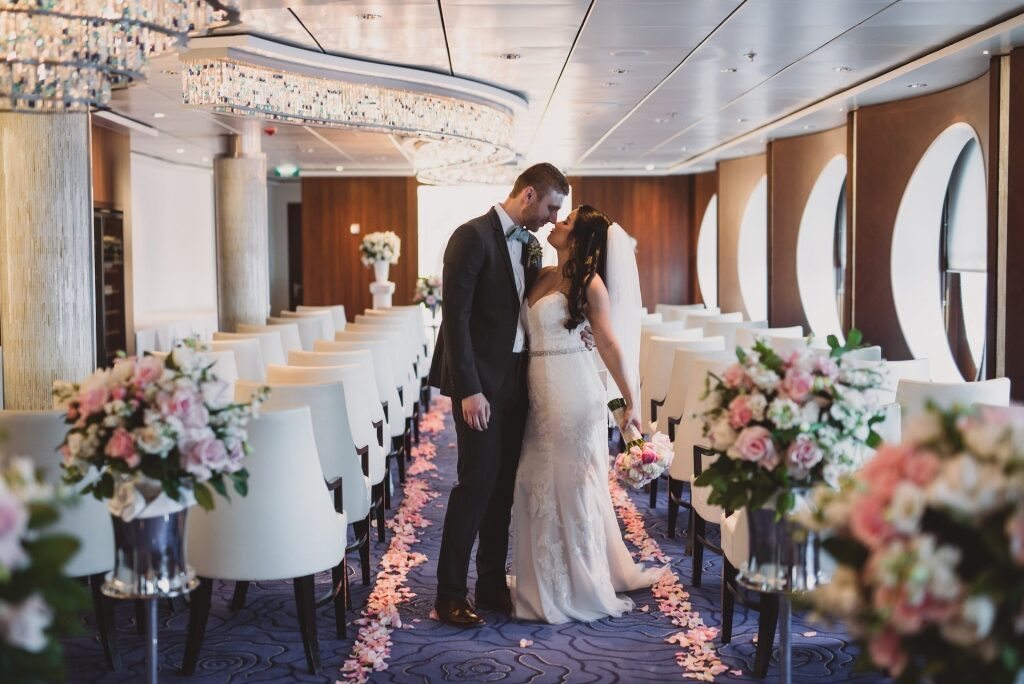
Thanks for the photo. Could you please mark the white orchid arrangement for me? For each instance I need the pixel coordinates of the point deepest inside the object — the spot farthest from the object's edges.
(929, 541)
(781, 423)
(380, 246)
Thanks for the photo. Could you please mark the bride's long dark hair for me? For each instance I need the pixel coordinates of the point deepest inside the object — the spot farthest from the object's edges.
(587, 258)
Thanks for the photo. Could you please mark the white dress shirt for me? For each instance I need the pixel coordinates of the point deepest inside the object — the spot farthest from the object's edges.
(515, 252)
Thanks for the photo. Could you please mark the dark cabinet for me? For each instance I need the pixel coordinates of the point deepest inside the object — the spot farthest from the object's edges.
(111, 327)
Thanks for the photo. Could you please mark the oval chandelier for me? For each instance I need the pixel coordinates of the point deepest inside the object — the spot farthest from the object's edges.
(67, 55)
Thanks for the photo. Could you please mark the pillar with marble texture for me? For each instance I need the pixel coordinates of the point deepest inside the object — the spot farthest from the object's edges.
(243, 260)
(47, 287)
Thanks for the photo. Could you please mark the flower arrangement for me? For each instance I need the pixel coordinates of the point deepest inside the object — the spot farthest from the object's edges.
(38, 603)
(380, 246)
(781, 423)
(534, 253)
(641, 463)
(929, 541)
(156, 429)
(428, 292)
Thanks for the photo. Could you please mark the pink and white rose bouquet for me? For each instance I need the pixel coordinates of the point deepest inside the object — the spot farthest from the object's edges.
(929, 541)
(644, 461)
(785, 423)
(428, 292)
(156, 427)
(38, 603)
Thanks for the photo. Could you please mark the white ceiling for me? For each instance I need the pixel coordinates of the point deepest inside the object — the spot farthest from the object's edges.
(614, 86)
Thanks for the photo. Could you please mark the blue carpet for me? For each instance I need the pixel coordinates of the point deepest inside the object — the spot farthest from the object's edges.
(261, 642)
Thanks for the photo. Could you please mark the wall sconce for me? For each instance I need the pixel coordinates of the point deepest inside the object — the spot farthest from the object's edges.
(354, 229)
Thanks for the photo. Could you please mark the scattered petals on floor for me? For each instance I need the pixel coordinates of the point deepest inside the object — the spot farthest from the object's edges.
(380, 618)
(699, 659)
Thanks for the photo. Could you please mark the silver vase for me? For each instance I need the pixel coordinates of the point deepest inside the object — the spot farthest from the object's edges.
(149, 558)
(784, 556)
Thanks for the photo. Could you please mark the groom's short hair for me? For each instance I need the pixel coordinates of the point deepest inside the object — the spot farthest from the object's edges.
(543, 178)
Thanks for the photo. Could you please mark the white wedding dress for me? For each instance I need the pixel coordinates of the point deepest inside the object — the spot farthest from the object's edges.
(568, 556)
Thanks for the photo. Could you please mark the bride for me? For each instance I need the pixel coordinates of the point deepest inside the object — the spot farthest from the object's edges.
(569, 560)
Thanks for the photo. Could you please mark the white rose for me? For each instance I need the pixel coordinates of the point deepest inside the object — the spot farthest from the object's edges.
(23, 625)
(757, 404)
(785, 413)
(966, 485)
(185, 359)
(765, 379)
(923, 428)
(907, 507)
(722, 435)
(974, 623)
(152, 440)
(984, 438)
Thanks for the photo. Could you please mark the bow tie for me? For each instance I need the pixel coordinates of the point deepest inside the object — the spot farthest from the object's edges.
(518, 233)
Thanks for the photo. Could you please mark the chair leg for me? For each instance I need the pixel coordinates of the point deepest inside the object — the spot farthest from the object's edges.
(362, 530)
(675, 490)
(691, 526)
(697, 532)
(339, 580)
(238, 599)
(199, 613)
(381, 527)
(305, 603)
(104, 609)
(654, 493)
(728, 600)
(387, 483)
(348, 592)
(416, 423)
(766, 622)
(140, 617)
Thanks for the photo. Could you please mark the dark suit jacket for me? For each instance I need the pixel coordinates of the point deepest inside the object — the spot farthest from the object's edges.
(480, 308)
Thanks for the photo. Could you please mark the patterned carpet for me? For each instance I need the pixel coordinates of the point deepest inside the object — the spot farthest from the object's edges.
(261, 643)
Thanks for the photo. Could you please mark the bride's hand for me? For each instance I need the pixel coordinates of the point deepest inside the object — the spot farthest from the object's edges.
(631, 417)
(588, 338)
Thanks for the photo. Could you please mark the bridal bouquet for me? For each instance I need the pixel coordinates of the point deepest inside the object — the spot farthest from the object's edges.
(428, 291)
(643, 461)
(384, 246)
(929, 540)
(38, 603)
(784, 423)
(158, 431)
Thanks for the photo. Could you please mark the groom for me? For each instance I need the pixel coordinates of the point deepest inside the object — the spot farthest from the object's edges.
(480, 362)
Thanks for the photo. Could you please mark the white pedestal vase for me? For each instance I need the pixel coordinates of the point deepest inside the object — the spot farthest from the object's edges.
(382, 293)
(380, 271)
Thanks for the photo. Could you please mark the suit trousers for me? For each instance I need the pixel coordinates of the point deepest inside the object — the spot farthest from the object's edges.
(481, 501)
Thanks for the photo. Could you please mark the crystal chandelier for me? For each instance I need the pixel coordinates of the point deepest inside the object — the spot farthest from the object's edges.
(67, 55)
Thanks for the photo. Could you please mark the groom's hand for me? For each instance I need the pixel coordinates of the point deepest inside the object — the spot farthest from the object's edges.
(588, 338)
(476, 411)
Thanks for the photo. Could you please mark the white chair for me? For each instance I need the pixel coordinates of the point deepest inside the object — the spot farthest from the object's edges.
(660, 359)
(397, 323)
(872, 353)
(676, 312)
(337, 312)
(648, 334)
(682, 379)
(405, 350)
(890, 429)
(286, 528)
(36, 434)
(339, 460)
(413, 319)
(697, 319)
(271, 348)
(745, 337)
(892, 373)
(651, 318)
(785, 346)
(400, 366)
(289, 333)
(224, 366)
(727, 329)
(325, 317)
(310, 328)
(248, 357)
(914, 396)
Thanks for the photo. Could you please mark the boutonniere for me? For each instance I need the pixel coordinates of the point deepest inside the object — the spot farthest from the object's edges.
(534, 254)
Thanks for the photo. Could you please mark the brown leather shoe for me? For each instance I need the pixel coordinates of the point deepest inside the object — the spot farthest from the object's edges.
(499, 601)
(457, 612)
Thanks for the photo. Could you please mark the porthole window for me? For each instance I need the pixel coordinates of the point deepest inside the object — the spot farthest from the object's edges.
(821, 251)
(752, 253)
(707, 254)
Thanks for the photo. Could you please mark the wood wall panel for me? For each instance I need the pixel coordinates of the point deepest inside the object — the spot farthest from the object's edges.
(888, 140)
(111, 168)
(737, 178)
(705, 186)
(794, 165)
(331, 270)
(657, 212)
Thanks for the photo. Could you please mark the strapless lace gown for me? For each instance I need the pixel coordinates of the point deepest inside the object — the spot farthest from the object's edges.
(568, 557)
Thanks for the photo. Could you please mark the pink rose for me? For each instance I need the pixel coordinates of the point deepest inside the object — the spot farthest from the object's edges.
(187, 405)
(755, 444)
(92, 399)
(885, 470)
(803, 454)
(122, 446)
(649, 457)
(740, 413)
(148, 369)
(797, 384)
(887, 652)
(203, 458)
(118, 392)
(734, 376)
(867, 521)
(826, 366)
(431, 300)
(921, 467)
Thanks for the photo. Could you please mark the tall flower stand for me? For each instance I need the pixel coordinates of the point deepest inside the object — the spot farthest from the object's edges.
(382, 293)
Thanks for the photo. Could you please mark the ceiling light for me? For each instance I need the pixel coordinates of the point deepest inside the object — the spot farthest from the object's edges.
(741, 121)
(510, 56)
(918, 85)
(841, 69)
(649, 167)
(630, 53)
(180, 150)
(158, 115)
(310, 150)
(842, 109)
(682, 149)
(620, 71)
(609, 84)
(808, 127)
(339, 168)
(206, 159)
(369, 16)
(984, 52)
(729, 70)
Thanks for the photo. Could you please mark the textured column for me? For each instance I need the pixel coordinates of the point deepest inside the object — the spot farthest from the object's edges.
(243, 262)
(47, 288)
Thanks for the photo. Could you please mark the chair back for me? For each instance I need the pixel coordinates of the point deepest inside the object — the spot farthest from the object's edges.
(673, 333)
(681, 376)
(727, 329)
(401, 367)
(337, 312)
(224, 366)
(289, 333)
(677, 312)
(362, 358)
(37, 434)
(286, 527)
(335, 445)
(652, 318)
(409, 339)
(913, 396)
(690, 429)
(383, 374)
(325, 317)
(413, 318)
(270, 343)
(248, 357)
(404, 347)
(310, 329)
(745, 337)
(660, 358)
(872, 353)
(697, 319)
